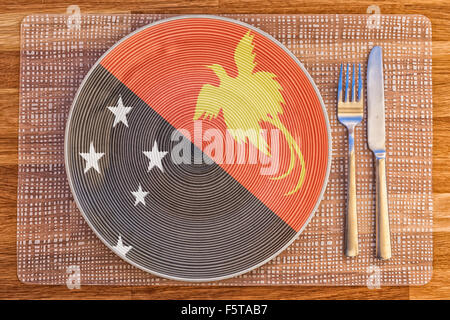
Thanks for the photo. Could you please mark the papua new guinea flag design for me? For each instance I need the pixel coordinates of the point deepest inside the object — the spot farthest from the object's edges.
(158, 95)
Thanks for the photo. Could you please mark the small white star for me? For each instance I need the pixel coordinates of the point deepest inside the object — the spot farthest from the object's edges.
(155, 157)
(140, 196)
(91, 158)
(120, 111)
(121, 248)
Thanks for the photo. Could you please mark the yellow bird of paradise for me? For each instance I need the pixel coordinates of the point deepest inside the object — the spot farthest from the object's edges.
(248, 100)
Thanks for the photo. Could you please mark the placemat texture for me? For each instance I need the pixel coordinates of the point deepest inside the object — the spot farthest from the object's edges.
(53, 239)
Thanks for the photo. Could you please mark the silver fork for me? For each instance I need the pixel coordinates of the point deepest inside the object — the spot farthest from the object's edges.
(350, 113)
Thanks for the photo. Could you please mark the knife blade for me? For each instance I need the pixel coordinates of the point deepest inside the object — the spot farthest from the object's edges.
(377, 143)
(375, 102)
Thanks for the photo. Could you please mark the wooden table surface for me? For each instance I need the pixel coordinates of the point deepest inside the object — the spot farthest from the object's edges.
(13, 11)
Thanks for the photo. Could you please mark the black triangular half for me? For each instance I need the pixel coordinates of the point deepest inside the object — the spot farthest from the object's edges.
(197, 223)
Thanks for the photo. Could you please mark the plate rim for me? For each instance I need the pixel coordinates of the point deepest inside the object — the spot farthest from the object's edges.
(296, 60)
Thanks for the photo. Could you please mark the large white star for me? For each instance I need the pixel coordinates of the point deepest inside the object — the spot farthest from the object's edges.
(121, 248)
(140, 196)
(155, 157)
(91, 158)
(120, 111)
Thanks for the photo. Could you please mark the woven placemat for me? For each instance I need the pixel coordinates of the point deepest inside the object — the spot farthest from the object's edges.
(53, 240)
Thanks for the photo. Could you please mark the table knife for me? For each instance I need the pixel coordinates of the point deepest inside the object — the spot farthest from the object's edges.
(376, 141)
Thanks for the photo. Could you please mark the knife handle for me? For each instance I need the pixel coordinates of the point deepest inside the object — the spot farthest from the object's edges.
(382, 211)
(351, 224)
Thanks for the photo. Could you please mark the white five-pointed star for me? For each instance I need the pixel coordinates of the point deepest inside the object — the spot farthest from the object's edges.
(140, 196)
(155, 157)
(121, 248)
(120, 111)
(91, 158)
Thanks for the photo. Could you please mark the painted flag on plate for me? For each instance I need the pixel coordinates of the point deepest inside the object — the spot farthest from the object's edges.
(197, 148)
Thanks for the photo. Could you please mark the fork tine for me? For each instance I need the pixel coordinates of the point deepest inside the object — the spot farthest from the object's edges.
(340, 86)
(346, 95)
(359, 83)
(353, 83)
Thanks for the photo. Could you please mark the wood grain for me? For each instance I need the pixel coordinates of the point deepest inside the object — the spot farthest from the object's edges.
(11, 14)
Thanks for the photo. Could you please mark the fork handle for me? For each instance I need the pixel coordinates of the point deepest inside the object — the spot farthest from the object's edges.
(351, 224)
(382, 211)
